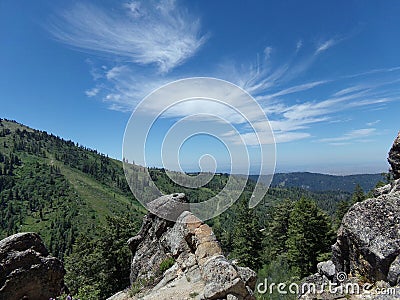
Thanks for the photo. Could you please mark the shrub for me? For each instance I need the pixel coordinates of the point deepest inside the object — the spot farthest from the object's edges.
(166, 264)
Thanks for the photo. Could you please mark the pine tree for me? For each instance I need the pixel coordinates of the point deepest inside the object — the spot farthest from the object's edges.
(341, 210)
(247, 238)
(309, 236)
(358, 194)
(277, 233)
(103, 264)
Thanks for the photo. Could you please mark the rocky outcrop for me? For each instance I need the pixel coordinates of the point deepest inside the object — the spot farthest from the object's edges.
(368, 241)
(394, 157)
(197, 267)
(367, 250)
(27, 271)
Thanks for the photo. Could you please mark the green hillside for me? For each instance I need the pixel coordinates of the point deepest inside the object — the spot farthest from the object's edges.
(57, 188)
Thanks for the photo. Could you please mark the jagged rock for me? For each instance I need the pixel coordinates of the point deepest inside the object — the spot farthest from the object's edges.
(394, 157)
(199, 261)
(221, 279)
(248, 276)
(327, 268)
(368, 240)
(148, 250)
(27, 269)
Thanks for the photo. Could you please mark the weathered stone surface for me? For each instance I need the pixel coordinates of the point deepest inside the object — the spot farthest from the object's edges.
(149, 252)
(27, 270)
(394, 157)
(197, 254)
(221, 278)
(382, 190)
(368, 240)
(248, 276)
(169, 207)
(327, 268)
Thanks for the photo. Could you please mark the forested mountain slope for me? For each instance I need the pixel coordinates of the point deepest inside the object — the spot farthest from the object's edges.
(57, 188)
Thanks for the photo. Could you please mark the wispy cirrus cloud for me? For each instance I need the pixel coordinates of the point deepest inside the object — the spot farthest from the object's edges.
(292, 120)
(326, 45)
(160, 33)
(351, 136)
(296, 89)
(122, 87)
(163, 35)
(92, 92)
(350, 90)
(262, 77)
(373, 123)
(299, 45)
(267, 52)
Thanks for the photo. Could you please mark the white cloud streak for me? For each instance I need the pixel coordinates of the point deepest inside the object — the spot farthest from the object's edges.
(92, 92)
(350, 136)
(373, 123)
(159, 33)
(267, 52)
(296, 89)
(299, 45)
(326, 45)
(290, 122)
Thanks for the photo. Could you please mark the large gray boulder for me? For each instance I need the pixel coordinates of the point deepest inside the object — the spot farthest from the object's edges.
(196, 256)
(368, 241)
(27, 271)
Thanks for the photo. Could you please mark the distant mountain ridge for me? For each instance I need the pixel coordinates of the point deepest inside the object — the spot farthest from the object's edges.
(317, 182)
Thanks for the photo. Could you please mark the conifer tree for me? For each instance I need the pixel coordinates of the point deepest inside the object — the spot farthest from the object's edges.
(309, 237)
(101, 264)
(341, 210)
(277, 233)
(358, 194)
(247, 238)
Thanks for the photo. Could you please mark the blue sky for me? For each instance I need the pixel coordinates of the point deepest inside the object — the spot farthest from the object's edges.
(326, 73)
